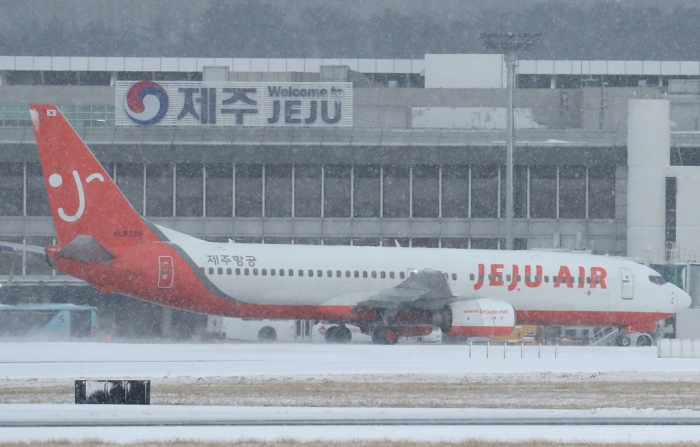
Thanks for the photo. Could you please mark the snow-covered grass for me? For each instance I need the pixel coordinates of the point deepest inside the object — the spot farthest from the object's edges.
(357, 375)
(374, 435)
(556, 390)
(324, 443)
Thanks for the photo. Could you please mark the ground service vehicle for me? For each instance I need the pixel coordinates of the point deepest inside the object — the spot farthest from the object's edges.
(258, 330)
(48, 321)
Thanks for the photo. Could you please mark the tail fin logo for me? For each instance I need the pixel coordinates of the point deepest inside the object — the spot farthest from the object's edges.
(56, 180)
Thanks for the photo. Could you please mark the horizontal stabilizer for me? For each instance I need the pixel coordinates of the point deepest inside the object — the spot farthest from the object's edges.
(85, 249)
(20, 247)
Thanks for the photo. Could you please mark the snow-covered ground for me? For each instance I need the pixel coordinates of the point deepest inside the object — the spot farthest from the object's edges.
(45, 364)
(105, 360)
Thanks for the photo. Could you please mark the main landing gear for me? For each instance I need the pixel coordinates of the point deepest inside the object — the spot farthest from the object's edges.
(383, 335)
(338, 334)
(623, 340)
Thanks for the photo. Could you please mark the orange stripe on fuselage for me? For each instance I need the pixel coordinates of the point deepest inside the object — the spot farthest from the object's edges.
(587, 318)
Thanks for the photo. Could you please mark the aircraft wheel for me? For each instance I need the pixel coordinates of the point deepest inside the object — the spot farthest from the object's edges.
(623, 341)
(330, 334)
(385, 336)
(342, 335)
(267, 334)
(644, 340)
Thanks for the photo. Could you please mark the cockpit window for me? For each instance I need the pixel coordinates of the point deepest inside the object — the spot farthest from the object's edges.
(657, 279)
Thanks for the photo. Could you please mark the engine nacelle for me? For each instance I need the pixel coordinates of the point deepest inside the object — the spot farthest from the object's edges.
(483, 317)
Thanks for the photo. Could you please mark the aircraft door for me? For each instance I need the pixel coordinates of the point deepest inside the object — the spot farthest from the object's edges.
(627, 283)
(166, 272)
(302, 330)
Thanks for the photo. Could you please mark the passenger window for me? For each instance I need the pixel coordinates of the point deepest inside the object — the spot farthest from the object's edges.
(519, 278)
(391, 275)
(301, 272)
(211, 270)
(555, 279)
(490, 277)
(329, 273)
(571, 280)
(588, 279)
(229, 271)
(255, 272)
(282, 272)
(290, 272)
(264, 272)
(246, 272)
(374, 274)
(311, 273)
(546, 278)
(471, 277)
(347, 273)
(273, 272)
(402, 275)
(537, 278)
(527, 278)
(220, 271)
(338, 273)
(364, 274)
(203, 270)
(383, 275)
(580, 280)
(508, 278)
(454, 277)
(319, 273)
(357, 274)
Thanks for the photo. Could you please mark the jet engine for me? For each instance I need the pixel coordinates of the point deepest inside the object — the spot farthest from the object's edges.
(483, 317)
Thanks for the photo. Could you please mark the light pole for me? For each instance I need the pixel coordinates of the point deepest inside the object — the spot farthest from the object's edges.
(508, 44)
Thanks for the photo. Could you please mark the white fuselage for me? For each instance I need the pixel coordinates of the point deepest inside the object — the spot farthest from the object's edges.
(345, 276)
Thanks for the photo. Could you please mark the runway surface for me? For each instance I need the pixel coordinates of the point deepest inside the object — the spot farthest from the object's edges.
(27, 415)
(234, 424)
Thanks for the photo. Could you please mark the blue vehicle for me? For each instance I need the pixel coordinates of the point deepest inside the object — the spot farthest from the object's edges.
(48, 321)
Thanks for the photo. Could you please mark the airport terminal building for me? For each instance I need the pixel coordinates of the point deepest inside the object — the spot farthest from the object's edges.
(361, 152)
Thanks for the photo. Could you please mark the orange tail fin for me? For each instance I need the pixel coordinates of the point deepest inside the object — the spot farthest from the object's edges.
(84, 200)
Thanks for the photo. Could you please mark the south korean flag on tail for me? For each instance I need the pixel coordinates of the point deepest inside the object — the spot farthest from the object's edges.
(51, 112)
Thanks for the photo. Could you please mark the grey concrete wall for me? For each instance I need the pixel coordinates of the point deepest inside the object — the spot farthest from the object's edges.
(685, 112)
(389, 107)
(605, 108)
(57, 94)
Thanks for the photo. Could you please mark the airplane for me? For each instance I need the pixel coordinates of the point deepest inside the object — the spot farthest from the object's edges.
(387, 292)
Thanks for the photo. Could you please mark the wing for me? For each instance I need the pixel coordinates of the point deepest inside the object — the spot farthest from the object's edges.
(426, 289)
